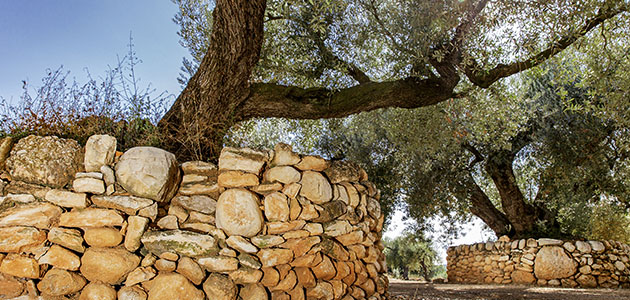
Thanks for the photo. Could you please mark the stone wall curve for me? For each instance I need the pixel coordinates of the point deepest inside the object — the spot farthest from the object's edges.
(263, 224)
(544, 262)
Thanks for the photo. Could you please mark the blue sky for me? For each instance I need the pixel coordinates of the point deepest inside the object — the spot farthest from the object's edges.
(78, 34)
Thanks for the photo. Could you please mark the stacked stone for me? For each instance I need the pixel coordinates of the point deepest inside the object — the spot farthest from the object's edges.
(96, 223)
(545, 262)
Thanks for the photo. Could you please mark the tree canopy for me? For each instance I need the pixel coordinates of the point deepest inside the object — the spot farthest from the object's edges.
(324, 59)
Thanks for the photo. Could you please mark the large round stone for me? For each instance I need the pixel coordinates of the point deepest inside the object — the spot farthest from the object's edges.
(168, 286)
(238, 213)
(219, 286)
(109, 265)
(48, 160)
(315, 187)
(149, 172)
(553, 263)
(59, 282)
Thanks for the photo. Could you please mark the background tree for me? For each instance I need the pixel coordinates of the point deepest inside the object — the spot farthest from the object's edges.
(518, 158)
(323, 59)
(411, 253)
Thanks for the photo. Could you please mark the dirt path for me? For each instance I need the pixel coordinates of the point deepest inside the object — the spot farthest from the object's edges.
(408, 290)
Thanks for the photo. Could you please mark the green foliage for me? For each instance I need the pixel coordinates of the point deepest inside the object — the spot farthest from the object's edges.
(114, 104)
(411, 253)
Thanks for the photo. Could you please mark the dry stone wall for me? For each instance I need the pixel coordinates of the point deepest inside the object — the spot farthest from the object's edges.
(93, 223)
(545, 262)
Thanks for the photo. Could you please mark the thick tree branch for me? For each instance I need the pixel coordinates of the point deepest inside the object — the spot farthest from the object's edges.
(484, 79)
(272, 100)
(482, 207)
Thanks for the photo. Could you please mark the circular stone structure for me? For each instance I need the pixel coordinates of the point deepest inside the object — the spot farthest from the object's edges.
(238, 213)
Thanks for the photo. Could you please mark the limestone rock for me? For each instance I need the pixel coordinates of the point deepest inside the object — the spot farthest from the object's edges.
(549, 242)
(127, 204)
(61, 258)
(102, 237)
(21, 239)
(135, 229)
(170, 286)
(323, 290)
(69, 238)
(49, 160)
(91, 217)
(282, 174)
(253, 292)
(220, 287)
(164, 265)
(88, 185)
(98, 291)
(184, 243)
(149, 172)
(587, 281)
(249, 261)
(9, 286)
(583, 247)
(276, 207)
(189, 268)
(200, 203)
(139, 275)
(235, 179)
(240, 244)
(337, 228)
(266, 241)
(66, 198)
(284, 155)
(108, 175)
(238, 213)
(109, 265)
(343, 171)
(245, 275)
(6, 144)
(553, 263)
(131, 293)
(168, 222)
(597, 246)
(199, 168)
(312, 163)
(59, 282)
(219, 263)
(99, 151)
(37, 214)
(282, 227)
(272, 257)
(245, 159)
(315, 187)
(522, 277)
(20, 266)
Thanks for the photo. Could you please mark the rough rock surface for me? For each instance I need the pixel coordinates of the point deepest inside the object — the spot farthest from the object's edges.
(220, 287)
(185, 243)
(59, 282)
(553, 262)
(99, 151)
(109, 265)
(238, 213)
(49, 160)
(170, 286)
(315, 187)
(149, 172)
(39, 214)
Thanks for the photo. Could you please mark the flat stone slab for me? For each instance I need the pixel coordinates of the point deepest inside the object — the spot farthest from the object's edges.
(184, 243)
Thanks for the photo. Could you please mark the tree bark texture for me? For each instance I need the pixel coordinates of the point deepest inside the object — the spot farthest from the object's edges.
(206, 108)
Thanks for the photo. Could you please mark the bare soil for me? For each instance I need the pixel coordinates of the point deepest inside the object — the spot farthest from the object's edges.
(408, 290)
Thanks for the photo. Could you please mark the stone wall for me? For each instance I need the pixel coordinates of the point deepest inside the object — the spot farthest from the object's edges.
(545, 262)
(93, 223)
